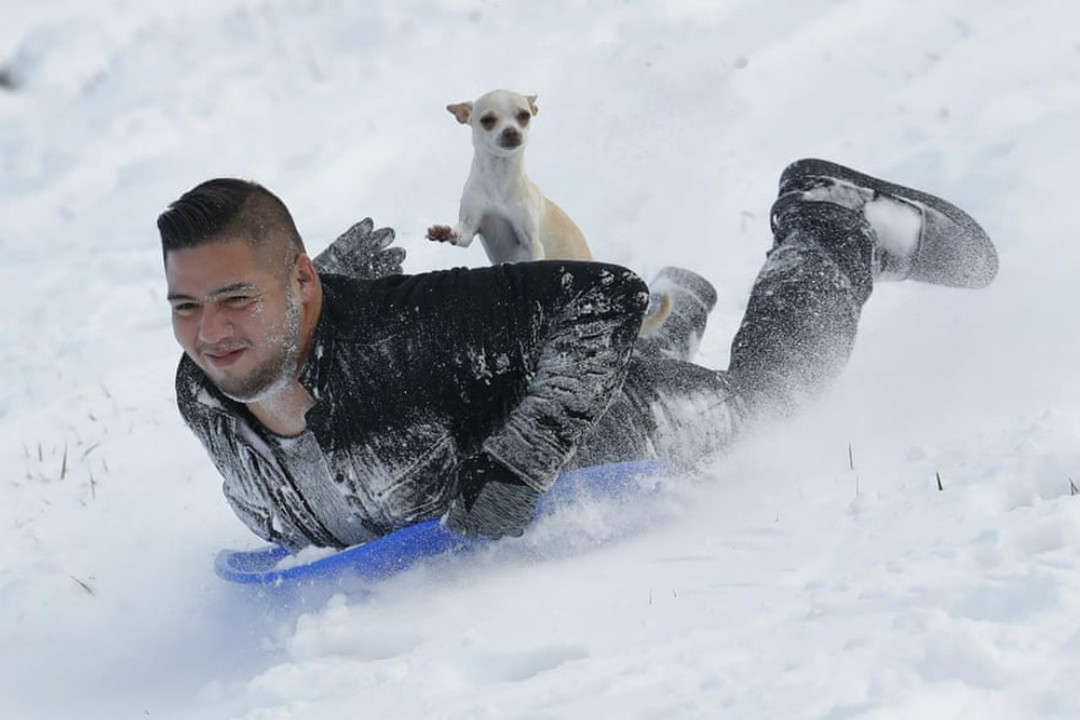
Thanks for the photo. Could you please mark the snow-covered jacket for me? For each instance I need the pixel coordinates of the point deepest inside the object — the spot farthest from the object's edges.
(411, 374)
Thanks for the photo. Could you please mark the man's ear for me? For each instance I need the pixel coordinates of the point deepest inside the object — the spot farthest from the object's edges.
(461, 111)
(306, 277)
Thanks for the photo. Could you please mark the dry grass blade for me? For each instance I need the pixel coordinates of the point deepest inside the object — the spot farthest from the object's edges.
(89, 590)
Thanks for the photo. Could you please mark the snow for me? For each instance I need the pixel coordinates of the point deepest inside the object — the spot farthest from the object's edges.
(792, 579)
(896, 225)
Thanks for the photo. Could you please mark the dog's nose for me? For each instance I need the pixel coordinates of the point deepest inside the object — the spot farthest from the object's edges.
(510, 137)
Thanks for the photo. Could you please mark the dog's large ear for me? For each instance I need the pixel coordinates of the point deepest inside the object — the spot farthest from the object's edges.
(461, 111)
(532, 104)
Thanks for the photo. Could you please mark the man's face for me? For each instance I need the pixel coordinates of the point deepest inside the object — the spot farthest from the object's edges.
(238, 320)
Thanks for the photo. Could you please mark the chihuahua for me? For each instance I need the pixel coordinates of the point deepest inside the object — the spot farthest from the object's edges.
(515, 221)
(513, 218)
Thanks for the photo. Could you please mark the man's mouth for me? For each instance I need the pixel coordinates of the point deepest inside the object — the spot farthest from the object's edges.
(223, 358)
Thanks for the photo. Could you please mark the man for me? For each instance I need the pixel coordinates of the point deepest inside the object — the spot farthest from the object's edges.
(341, 400)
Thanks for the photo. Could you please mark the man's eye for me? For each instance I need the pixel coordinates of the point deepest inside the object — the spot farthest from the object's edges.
(239, 300)
(184, 308)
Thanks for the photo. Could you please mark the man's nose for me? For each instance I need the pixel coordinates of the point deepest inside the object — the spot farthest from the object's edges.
(214, 325)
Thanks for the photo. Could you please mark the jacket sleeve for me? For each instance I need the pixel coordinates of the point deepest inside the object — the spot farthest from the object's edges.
(591, 318)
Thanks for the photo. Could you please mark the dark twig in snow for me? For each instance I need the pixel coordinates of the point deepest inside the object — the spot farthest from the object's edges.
(83, 585)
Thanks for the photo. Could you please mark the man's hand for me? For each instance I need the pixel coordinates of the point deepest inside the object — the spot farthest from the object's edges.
(492, 502)
(362, 252)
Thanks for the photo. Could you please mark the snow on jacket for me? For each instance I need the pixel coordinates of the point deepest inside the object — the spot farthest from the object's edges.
(410, 374)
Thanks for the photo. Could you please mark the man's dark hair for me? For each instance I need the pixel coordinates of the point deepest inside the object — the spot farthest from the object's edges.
(227, 209)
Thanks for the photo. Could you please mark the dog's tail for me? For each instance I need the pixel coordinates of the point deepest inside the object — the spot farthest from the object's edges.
(657, 317)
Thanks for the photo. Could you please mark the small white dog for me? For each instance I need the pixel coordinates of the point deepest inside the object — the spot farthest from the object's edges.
(513, 218)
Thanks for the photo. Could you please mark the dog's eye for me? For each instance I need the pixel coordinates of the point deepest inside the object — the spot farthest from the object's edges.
(523, 117)
(487, 122)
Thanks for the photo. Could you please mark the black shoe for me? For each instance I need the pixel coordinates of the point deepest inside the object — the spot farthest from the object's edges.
(679, 329)
(951, 249)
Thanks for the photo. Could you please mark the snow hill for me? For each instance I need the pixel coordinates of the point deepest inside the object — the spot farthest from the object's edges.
(819, 571)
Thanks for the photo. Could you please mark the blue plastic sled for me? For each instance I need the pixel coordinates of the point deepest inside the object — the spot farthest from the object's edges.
(399, 550)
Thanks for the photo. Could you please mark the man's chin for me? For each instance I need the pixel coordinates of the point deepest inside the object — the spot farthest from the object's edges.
(250, 390)
(245, 381)
(241, 390)
(239, 395)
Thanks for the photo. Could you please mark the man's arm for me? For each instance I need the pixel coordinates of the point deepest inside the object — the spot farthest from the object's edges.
(586, 337)
(586, 341)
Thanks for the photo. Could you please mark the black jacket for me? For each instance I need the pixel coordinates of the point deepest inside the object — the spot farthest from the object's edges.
(411, 374)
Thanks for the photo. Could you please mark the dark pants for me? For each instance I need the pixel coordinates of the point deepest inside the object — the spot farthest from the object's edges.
(795, 337)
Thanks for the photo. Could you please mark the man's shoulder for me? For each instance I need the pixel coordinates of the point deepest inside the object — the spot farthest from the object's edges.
(344, 291)
(359, 314)
(431, 287)
(352, 304)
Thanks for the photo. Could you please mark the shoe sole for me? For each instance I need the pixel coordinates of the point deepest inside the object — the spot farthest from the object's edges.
(953, 249)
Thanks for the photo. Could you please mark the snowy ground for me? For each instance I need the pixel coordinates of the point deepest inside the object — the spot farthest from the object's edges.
(783, 584)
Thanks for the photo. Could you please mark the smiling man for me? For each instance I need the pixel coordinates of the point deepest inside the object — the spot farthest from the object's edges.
(244, 310)
(339, 408)
(342, 400)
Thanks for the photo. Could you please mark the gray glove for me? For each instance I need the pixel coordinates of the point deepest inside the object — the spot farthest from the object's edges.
(492, 502)
(362, 252)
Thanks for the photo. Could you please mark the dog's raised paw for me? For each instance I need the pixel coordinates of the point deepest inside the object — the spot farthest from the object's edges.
(440, 233)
